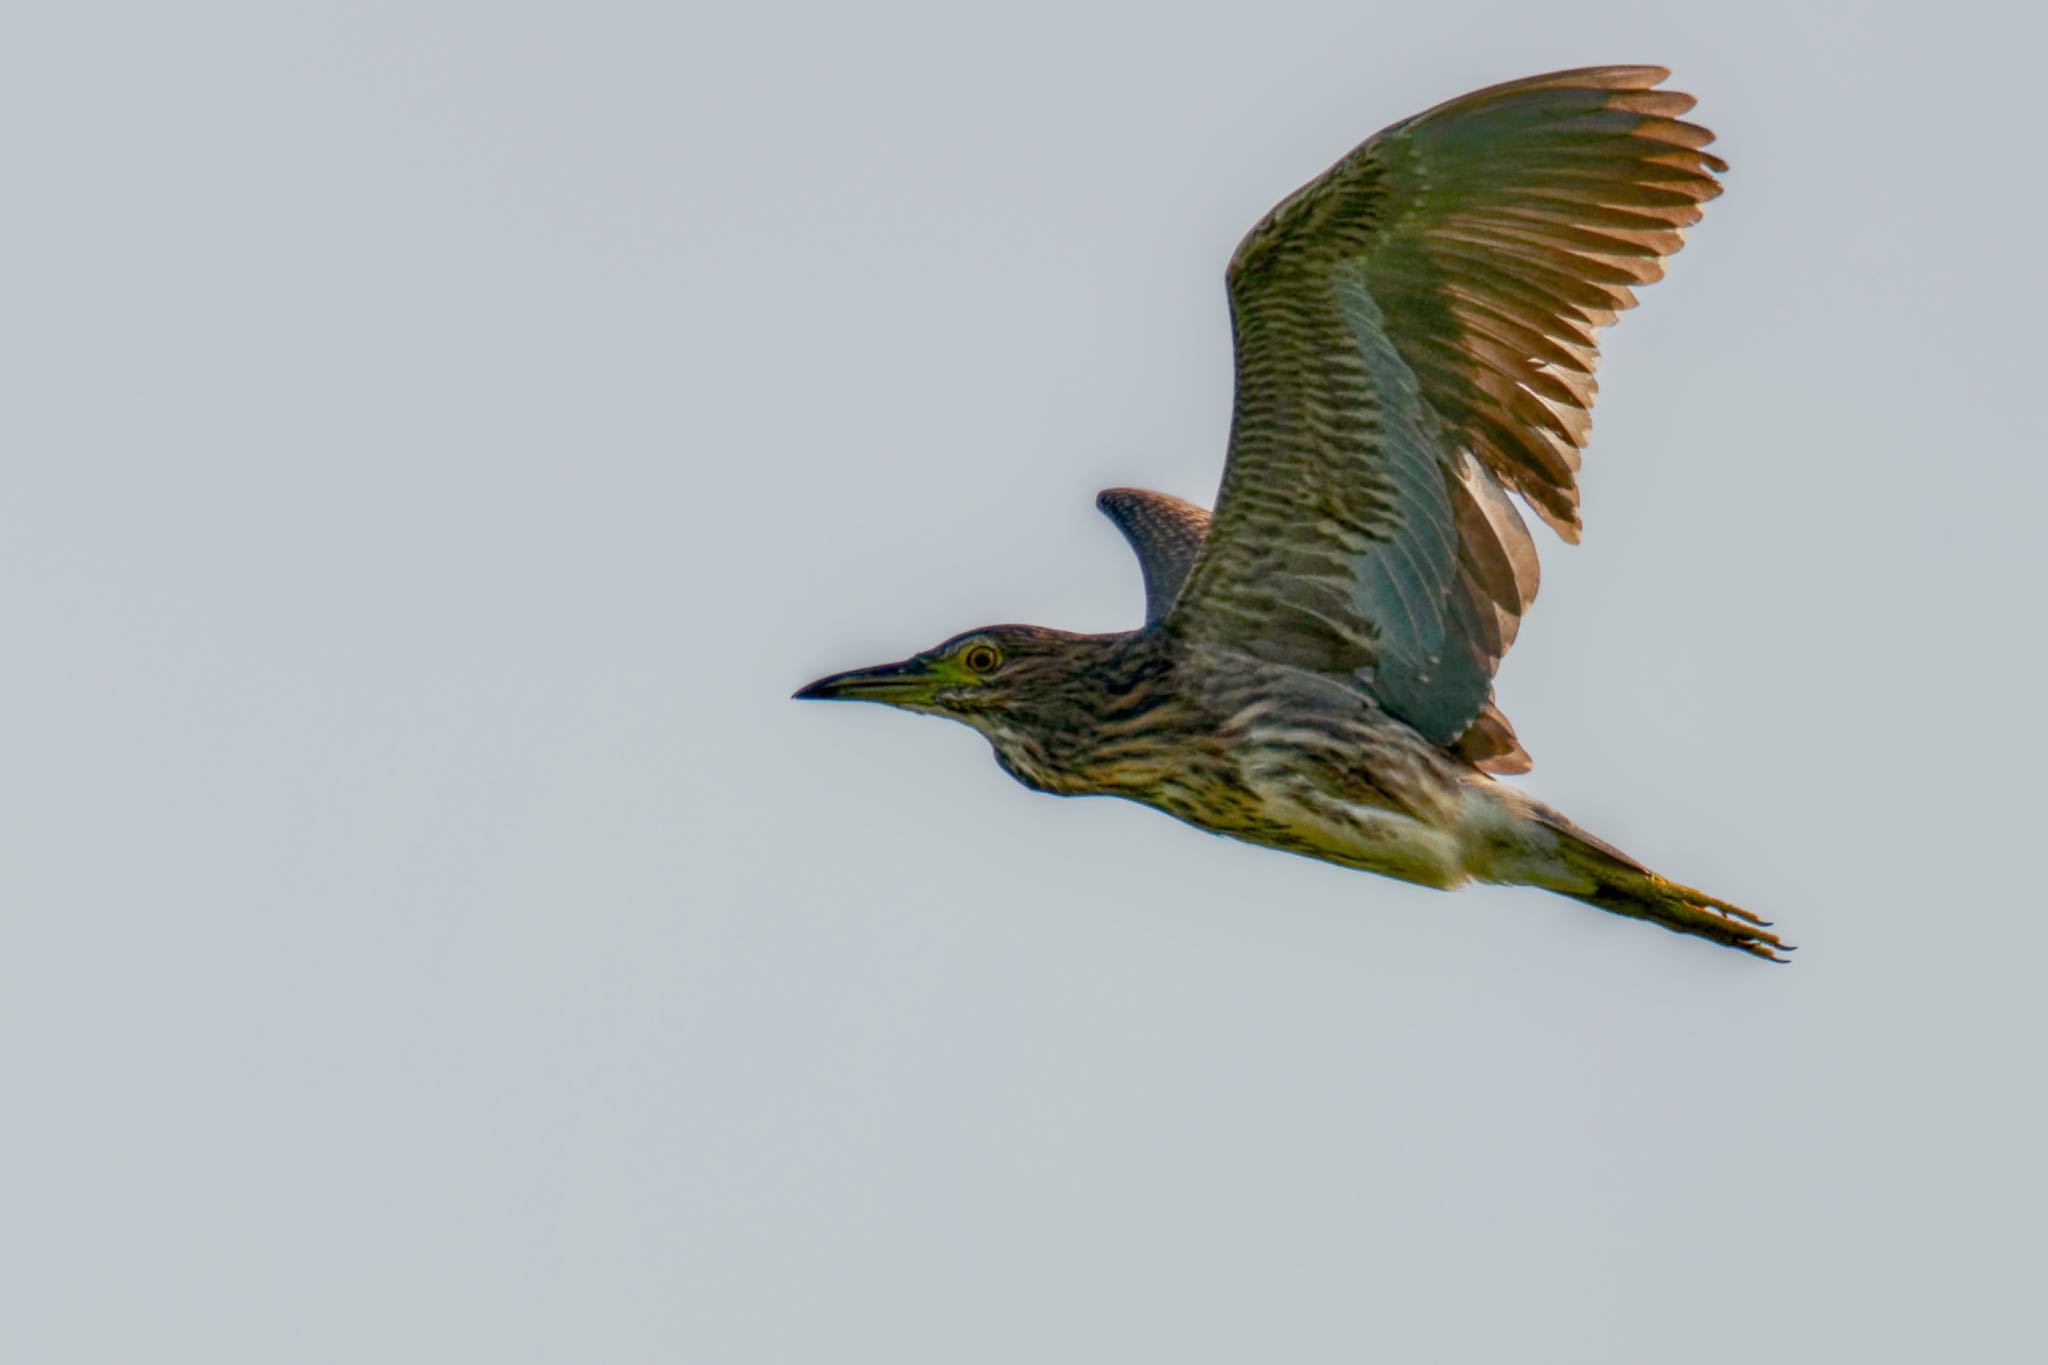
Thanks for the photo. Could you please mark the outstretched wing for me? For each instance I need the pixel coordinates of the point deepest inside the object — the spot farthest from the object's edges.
(1165, 533)
(1415, 334)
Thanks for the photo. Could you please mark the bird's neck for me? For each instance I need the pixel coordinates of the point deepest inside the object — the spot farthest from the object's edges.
(1095, 727)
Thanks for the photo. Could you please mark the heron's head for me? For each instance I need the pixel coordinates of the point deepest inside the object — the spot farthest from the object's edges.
(975, 677)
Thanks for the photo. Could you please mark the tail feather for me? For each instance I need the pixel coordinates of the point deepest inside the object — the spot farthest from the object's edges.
(1601, 875)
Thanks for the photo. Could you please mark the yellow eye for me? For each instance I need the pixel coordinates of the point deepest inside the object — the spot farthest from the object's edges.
(980, 657)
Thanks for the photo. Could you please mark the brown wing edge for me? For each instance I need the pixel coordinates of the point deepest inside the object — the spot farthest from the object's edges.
(1606, 177)
(1489, 743)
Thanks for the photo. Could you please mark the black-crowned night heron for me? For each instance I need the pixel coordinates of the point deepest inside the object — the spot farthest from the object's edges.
(1415, 340)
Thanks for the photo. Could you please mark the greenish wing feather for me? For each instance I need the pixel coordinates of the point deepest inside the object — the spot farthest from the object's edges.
(1164, 532)
(1415, 334)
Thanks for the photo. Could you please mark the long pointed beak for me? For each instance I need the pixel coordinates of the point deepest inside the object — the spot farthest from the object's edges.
(909, 683)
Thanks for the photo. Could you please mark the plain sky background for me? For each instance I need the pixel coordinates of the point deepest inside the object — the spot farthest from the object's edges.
(441, 436)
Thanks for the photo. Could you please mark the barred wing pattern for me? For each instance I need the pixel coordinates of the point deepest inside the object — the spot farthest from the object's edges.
(1415, 335)
(1165, 533)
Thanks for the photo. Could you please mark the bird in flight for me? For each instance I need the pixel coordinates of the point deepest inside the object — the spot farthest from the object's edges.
(1415, 341)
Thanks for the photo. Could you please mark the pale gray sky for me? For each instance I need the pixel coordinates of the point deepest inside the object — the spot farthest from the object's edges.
(442, 436)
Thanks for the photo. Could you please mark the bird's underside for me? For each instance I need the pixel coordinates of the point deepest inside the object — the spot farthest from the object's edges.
(1415, 340)
(1294, 760)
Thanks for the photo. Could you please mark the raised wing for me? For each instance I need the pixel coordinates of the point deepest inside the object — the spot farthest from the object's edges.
(1164, 532)
(1415, 334)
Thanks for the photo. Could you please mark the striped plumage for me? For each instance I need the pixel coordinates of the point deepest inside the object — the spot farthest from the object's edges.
(1415, 342)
